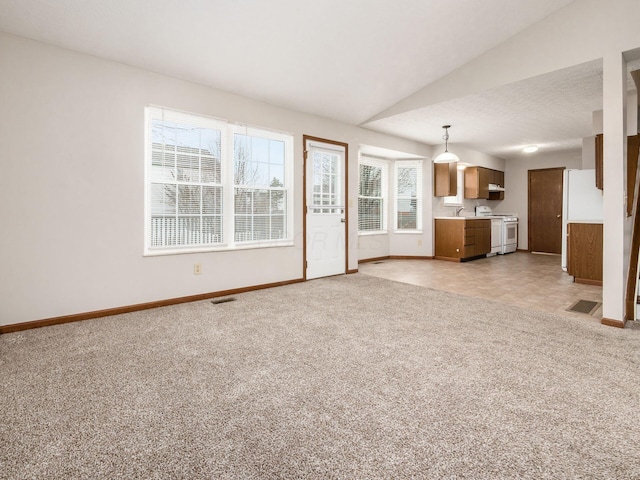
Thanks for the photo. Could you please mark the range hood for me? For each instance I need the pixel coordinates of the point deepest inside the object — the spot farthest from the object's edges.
(495, 188)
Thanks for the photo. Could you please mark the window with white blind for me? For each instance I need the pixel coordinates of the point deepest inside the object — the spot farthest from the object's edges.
(372, 195)
(260, 194)
(210, 185)
(408, 195)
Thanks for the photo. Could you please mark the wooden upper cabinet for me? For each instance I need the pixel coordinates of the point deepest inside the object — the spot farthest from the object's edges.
(498, 178)
(633, 149)
(445, 179)
(477, 180)
(484, 178)
(599, 164)
(472, 183)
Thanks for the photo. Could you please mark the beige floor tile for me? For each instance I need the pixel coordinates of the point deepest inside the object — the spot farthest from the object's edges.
(522, 279)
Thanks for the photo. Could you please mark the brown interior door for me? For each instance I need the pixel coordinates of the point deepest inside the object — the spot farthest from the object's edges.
(545, 210)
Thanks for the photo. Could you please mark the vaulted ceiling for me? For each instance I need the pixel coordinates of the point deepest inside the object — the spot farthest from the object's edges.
(347, 60)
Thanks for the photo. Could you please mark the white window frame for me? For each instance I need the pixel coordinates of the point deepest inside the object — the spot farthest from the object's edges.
(384, 187)
(418, 165)
(227, 182)
(457, 199)
(287, 188)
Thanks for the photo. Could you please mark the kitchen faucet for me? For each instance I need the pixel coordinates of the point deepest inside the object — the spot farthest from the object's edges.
(458, 210)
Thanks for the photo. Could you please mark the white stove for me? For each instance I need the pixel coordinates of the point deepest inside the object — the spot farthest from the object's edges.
(504, 230)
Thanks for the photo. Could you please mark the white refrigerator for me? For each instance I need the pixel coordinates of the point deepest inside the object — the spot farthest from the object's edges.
(581, 202)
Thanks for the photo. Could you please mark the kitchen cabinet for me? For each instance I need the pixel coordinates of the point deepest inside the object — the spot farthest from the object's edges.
(477, 180)
(584, 252)
(445, 179)
(498, 179)
(633, 149)
(599, 161)
(460, 239)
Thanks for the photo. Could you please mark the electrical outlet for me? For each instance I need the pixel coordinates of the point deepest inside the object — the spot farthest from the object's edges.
(197, 269)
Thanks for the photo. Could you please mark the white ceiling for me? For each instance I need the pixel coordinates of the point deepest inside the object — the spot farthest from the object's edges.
(553, 111)
(343, 59)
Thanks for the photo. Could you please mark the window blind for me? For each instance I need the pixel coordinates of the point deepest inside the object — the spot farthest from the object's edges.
(372, 203)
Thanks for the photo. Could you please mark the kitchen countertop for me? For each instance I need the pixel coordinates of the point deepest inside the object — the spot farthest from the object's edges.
(470, 217)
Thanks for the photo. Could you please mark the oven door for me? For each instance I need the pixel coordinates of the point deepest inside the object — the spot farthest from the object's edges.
(509, 237)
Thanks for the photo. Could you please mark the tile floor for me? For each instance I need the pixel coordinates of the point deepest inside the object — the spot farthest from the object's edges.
(523, 279)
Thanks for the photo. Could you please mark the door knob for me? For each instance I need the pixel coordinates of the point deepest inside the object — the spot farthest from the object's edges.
(558, 216)
(343, 220)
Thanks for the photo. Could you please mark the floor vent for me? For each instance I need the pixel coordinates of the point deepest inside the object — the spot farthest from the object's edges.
(376, 263)
(584, 306)
(223, 300)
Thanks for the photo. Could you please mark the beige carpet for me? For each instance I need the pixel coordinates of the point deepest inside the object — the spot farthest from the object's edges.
(343, 377)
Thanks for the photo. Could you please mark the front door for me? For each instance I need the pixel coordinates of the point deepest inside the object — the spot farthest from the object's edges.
(325, 219)
(545, 210)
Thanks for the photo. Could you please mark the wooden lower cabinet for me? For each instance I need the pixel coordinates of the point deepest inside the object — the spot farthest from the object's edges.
(584, 252)
(461, 239)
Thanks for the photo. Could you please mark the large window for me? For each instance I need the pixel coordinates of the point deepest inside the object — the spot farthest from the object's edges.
(203, 194)
(408, 195)
(372, 195)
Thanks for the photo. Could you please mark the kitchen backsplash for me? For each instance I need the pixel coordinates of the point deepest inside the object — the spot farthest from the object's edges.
(440, 210)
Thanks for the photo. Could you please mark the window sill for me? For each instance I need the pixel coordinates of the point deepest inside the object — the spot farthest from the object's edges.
(221, 248)
(403, 232)
(377, 232)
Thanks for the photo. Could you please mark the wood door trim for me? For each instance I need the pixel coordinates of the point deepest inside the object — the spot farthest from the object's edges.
(529, 200)
(632, 272)
(311, 138)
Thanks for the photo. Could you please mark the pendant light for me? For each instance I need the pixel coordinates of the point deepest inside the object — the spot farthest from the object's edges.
(446, 156)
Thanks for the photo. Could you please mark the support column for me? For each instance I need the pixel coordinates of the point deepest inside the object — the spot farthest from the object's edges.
(614, 159)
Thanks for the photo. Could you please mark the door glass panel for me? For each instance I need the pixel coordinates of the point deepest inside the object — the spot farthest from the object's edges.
(326, 183)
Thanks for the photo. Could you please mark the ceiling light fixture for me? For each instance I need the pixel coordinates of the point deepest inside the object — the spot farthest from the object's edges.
(530, 149)
(446, 156)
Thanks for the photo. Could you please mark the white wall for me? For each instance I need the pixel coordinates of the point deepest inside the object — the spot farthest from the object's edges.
(517, 182)
(588, 153)
(72, 183)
